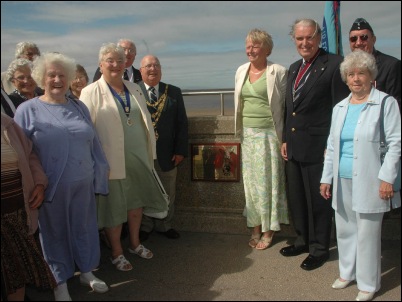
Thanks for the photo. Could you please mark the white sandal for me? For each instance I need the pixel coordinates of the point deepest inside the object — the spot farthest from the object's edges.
(141, 251)
(253, 241)
(121, 263)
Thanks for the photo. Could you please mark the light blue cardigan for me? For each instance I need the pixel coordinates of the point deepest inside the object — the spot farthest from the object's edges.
(29, 114)
(367, 170)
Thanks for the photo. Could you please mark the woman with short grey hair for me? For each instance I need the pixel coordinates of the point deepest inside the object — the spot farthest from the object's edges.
(19, 73)
(28, 50)
(363, 188)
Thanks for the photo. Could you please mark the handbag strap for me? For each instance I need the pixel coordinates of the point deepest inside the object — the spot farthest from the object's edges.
(383, 145)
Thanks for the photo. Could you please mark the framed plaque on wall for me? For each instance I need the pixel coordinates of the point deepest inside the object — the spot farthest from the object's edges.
(215, 162)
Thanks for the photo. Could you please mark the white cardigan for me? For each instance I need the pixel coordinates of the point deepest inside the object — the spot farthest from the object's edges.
(105, 116)
(276, 90)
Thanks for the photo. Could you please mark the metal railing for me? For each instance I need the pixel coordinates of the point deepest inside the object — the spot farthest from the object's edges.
(221, 93)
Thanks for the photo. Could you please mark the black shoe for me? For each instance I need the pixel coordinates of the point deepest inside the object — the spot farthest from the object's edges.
(144, 235)
(312, 262)
(171, 234)
(291, 250)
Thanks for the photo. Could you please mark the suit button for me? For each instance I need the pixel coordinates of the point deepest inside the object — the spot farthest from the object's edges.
(294, 113)
(293, 129)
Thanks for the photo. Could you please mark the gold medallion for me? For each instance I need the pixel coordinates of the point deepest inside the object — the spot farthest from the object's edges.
(129, 122)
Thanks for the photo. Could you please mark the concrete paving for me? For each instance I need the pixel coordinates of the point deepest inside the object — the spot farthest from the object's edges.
(219, 267)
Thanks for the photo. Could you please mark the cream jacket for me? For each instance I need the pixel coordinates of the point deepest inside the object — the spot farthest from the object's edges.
(276, 89)
(105, 116)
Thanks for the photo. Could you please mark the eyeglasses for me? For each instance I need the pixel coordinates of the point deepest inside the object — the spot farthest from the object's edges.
(23, 78)
(149, 66)
(353, 39)
(129, 50)
(112, 62)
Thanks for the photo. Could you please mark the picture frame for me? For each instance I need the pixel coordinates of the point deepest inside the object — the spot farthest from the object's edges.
(215, 162)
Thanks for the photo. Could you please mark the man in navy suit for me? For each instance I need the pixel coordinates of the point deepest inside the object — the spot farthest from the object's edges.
(314, 86)
(166, 106)
(361, 36)
(131, 74)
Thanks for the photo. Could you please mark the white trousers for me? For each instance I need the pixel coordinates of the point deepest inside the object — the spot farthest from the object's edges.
(359, 242)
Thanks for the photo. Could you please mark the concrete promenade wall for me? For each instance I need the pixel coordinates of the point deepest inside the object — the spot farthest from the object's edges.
(216, 207)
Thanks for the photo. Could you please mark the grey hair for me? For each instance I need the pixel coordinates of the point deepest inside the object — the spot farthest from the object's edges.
(307, 23)
(22, 46)
(111, 47)
(41, 63)
(261, 36)
(361, 60)
(127, 40)
(16, 65)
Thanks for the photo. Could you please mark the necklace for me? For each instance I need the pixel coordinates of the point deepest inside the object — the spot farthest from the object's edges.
(126, 106)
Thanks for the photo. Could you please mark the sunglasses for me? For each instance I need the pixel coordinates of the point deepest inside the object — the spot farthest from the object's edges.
(353, 39)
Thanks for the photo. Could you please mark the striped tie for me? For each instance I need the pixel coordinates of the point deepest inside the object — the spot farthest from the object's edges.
(301, 78)
(152, 95)
(125, 75)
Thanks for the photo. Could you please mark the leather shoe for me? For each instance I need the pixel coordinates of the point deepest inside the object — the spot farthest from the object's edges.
(171, 234)
(144, 236)
(313, 262)
(292, 250)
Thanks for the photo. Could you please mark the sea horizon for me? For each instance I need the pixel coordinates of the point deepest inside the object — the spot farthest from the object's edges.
(208, 104)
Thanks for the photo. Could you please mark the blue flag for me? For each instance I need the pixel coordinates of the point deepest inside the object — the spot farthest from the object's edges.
(331, 39)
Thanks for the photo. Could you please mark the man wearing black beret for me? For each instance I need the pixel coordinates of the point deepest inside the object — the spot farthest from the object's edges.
(361, 36)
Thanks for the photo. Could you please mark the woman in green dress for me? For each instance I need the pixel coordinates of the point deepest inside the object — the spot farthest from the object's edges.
(259, 110)
(118, 110)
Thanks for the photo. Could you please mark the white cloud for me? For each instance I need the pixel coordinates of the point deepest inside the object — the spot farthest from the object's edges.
(200, 44)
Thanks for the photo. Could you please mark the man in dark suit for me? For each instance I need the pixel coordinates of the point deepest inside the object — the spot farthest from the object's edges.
(130, 74)
(361, 36)
(314, 86)
(166, 106)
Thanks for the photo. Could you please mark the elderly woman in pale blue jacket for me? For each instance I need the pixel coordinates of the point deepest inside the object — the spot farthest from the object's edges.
(362, 187)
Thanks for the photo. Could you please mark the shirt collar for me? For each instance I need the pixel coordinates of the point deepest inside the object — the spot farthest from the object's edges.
(156, 86)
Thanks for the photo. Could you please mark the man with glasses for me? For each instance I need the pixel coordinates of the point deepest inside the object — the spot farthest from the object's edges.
(130, 74)
(23, 50)
(166, 106)
(361, 36)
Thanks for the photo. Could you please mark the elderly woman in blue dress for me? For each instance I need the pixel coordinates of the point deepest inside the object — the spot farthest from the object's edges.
(122, 120)
(362, 187)
(73, 160)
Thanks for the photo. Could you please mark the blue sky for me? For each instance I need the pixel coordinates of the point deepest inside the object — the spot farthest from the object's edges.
(200, 43)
